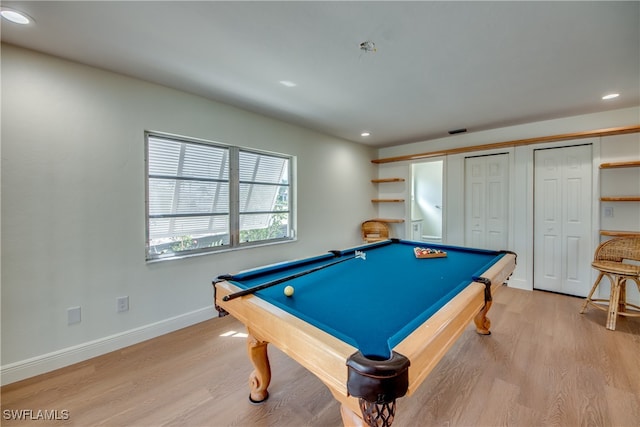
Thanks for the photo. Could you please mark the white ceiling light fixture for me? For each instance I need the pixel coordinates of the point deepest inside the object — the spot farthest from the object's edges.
(288, 83)
(611, 96)
(365, 134)
(15, 16)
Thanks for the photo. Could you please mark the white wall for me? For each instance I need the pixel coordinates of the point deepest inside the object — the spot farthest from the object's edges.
(614, 148)
(587, 122)
(73, 211)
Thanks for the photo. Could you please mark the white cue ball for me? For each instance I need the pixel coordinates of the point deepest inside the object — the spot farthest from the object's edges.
(288, 290)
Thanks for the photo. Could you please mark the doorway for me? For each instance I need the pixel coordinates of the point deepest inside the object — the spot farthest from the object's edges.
(426, 201)
(562, 219)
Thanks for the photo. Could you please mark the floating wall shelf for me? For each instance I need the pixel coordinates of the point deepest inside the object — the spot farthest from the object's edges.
(620, 199)
(389, 220)
(614, 165)
(619, 233)
(376, 181)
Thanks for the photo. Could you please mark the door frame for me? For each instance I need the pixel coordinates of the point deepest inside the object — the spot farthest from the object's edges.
(582, 286)
(455, 196)
(528, 152)
(444, 183)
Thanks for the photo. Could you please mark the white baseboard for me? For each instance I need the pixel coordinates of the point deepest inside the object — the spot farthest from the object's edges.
(27, 368)
(515, 282)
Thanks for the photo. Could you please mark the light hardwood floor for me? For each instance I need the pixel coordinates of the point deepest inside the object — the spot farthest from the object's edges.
(544, 365)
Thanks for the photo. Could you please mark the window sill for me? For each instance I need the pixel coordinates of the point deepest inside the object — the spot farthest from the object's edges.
(218, 251)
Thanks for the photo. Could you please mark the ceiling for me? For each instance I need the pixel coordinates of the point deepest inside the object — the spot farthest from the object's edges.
(437, 66)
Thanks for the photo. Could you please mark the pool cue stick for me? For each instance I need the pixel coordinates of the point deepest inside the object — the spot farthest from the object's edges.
(229, 297)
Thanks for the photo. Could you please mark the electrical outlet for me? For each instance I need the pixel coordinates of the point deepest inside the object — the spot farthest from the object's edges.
(73, 315)
(123, 304)
(608, 212)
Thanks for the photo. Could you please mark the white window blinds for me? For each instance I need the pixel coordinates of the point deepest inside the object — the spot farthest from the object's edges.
(192, 192)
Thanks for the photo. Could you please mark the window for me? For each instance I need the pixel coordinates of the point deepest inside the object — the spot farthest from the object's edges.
(203, 197)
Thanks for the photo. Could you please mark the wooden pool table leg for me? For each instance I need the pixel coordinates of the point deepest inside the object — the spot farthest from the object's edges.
(351, 419)
(261, 376)
(482, 321)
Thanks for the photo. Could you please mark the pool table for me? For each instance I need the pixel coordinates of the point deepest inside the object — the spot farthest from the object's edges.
(370, 322)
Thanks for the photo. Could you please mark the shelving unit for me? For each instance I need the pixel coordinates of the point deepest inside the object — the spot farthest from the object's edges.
(630, 198)
(388, 181)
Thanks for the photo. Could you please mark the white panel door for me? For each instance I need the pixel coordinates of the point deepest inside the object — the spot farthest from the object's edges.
(562, 220)
(486, 201)
(475, 222)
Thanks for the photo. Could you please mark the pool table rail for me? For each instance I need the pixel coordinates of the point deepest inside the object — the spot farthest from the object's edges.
(316, 350)
(428, 343)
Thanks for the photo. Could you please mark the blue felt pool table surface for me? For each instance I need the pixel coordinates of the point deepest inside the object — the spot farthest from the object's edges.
(371, 303)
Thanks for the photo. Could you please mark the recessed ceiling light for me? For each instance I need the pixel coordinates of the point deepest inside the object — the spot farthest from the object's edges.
(365, 134)
(611, 96)
(287, 83)
(15, 16)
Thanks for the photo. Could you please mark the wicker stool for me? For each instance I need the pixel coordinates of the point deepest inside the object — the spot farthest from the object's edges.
(608, 261)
